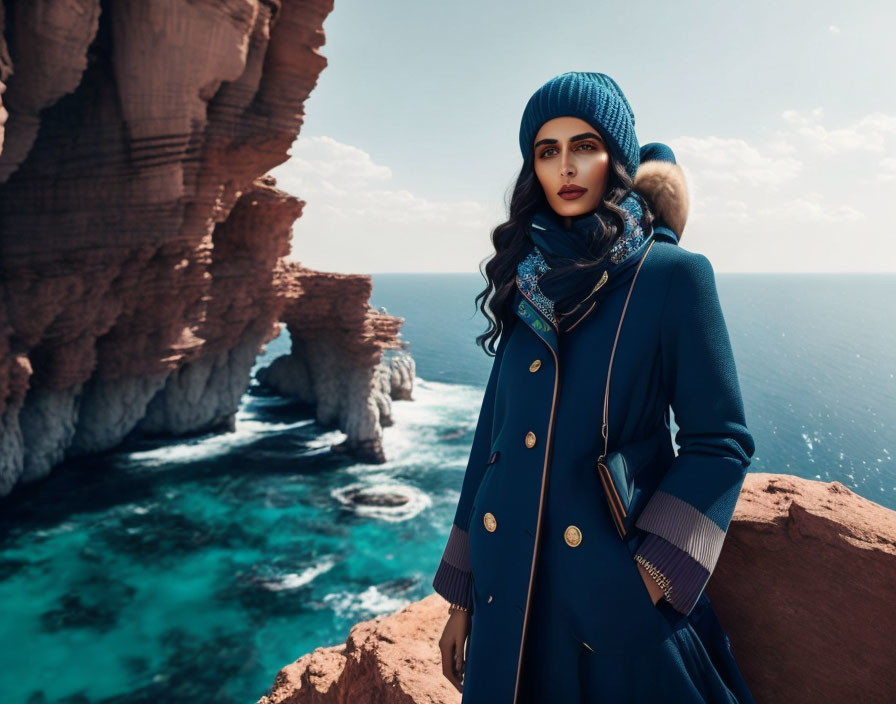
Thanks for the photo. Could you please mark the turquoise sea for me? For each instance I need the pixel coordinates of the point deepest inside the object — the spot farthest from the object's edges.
(193, 570)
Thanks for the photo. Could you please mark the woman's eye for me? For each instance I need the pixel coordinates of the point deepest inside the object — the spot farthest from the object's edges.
(547, 152)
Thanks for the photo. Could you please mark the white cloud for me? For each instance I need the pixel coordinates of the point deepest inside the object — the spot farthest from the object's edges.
(887, 169)
(872, 133)
(834, 29)
(370, 223)
(733, 161)
(793, 195)
(811, 207)
(795, 169)
(321, 162)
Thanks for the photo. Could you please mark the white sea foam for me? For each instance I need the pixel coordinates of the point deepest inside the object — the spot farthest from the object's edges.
(294, 580)
(416, 500)
(66, 527)
(248, 430)
(324, 440)
(420, 428)
(414, 439)
(367, 603)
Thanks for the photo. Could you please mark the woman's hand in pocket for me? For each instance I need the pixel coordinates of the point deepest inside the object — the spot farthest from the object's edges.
(656, 593)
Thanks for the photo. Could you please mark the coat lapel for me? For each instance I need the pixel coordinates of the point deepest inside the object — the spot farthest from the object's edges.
(536, 320)
(531, 305)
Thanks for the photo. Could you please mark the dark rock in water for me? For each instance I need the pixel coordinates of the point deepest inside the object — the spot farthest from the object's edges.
(369, 497)
(369, 451)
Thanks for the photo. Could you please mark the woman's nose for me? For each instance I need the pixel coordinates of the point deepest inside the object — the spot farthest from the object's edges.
(566, 168)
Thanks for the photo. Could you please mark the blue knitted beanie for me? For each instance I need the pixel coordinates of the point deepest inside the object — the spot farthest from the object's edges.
(595, 98)
(657, 151)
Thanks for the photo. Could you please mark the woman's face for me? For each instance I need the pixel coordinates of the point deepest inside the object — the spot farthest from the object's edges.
(570, 153)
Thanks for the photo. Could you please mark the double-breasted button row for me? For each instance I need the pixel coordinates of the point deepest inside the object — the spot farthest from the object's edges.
(572, 535)
(530, 436)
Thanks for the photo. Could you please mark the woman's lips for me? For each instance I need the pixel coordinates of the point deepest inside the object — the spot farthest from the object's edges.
(572, 195)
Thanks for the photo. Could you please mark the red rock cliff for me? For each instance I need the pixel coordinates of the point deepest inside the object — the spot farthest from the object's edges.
(141, 247)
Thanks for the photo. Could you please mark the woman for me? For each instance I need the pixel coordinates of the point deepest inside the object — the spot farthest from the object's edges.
(557, 596)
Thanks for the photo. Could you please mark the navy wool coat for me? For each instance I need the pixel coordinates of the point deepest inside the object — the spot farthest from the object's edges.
(533, 544)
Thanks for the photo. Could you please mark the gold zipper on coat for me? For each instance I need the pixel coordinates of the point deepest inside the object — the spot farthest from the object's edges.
(544, 473)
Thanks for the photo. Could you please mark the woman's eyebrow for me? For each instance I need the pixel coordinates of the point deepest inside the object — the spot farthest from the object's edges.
(577, 138)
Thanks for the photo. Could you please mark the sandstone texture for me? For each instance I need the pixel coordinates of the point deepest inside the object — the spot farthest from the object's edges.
(804, 589)
(336, 362)
(143, 250)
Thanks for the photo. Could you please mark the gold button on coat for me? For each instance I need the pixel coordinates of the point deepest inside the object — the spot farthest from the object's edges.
(573, 536)
(535, 366)
(490, 523)
(530, 439)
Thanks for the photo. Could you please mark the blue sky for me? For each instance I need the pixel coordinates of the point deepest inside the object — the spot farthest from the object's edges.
(782, 115)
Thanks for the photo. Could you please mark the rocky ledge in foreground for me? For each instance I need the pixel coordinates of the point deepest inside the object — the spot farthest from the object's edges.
(804, 588)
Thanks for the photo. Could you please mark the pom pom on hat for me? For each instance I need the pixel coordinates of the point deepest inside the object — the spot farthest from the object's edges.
(657, 151)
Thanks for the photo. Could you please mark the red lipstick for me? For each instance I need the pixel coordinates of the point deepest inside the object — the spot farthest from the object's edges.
(570, 191)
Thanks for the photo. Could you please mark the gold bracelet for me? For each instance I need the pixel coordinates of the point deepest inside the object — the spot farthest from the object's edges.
(452, 608)
(658, 576)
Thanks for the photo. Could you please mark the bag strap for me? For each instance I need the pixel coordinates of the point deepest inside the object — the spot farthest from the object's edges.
(605, 427)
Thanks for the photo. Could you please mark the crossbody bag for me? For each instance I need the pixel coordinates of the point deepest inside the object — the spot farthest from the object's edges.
(615, 469)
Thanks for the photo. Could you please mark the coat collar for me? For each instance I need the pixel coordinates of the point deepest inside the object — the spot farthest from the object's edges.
(537, 310)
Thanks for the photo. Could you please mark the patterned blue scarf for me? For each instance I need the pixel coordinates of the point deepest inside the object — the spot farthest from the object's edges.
(565, 286)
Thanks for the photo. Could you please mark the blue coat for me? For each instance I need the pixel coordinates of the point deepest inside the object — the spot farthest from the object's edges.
(555, 593)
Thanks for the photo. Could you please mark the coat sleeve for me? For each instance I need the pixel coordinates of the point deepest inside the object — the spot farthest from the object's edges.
(453, 578)
(687, 518)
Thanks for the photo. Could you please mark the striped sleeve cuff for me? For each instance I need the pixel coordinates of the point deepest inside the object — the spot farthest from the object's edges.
(686, 576)
(684, 526)
(454, 578)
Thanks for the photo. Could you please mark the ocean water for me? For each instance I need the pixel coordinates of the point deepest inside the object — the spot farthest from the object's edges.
(193, 570)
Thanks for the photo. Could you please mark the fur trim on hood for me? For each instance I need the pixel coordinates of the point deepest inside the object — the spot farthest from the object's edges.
(664, 187)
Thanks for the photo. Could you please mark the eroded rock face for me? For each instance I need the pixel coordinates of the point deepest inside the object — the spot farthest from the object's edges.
(142, 249)
(336, 361)
(803, 587)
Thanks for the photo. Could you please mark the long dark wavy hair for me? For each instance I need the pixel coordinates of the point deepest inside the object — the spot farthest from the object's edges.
(511, 243)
